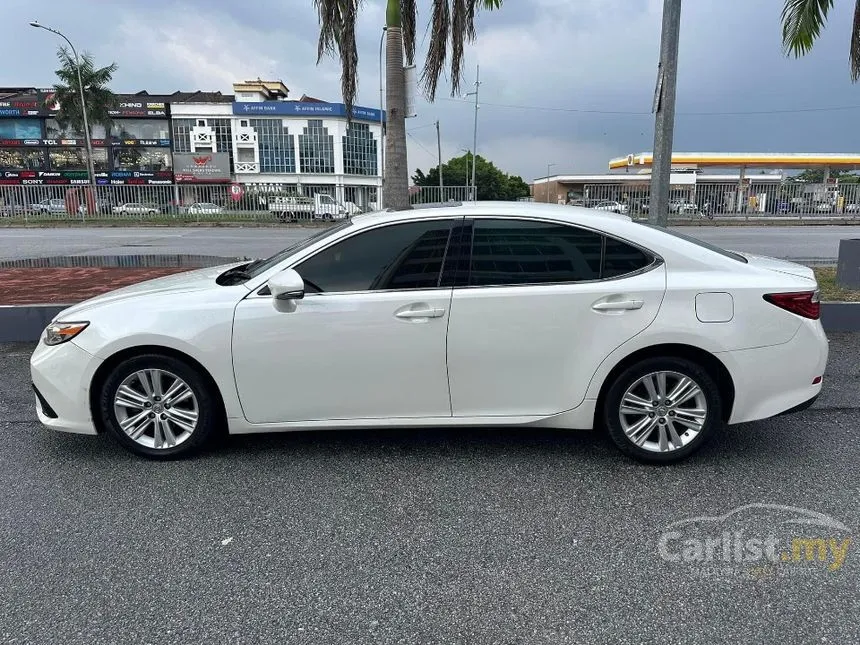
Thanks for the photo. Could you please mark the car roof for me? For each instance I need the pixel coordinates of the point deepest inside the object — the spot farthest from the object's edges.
(555, 212)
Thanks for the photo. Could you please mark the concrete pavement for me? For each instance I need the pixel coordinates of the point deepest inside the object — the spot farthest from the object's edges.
(791, 242)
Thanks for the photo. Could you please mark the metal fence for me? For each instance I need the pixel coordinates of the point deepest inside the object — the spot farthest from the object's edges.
(724, 199)
(188, 202)
(436, 194)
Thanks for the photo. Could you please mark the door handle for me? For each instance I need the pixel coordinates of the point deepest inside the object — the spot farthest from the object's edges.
(433, 312)
(617, 305)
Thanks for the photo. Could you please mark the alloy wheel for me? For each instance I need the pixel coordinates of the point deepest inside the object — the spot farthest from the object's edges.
(156, 408)
(663, 411)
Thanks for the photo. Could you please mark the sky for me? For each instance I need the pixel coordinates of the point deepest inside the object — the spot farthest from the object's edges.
(563, 82)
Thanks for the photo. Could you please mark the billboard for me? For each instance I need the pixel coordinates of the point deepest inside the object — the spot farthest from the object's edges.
(202, 167)
(311, 110)
(43, 104)
(97, 143)
(79, 178)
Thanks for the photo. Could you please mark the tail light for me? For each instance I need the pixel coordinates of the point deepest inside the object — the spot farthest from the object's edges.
(802, 303)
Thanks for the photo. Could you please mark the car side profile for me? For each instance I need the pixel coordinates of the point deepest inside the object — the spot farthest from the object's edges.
(497, 314)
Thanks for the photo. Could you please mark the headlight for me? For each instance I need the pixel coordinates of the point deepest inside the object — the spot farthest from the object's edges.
(60, 332)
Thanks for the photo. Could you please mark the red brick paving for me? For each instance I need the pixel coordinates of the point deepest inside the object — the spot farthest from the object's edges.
(69, 285)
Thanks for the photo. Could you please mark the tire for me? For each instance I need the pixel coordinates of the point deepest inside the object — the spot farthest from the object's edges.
(657, 445)
(202, 402)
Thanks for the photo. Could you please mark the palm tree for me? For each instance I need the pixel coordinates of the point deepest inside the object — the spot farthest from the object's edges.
(99, 99)
(802, 21)
(452, 25)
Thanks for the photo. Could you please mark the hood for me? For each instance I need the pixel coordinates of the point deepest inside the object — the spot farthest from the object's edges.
(196, 280)
(783, 266)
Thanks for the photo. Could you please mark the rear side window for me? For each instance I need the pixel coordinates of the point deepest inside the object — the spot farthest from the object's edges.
(509, 252)
(619, 258)
(513, 252)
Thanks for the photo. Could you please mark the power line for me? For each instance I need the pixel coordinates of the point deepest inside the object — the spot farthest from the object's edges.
(627, 113)
(421, 145)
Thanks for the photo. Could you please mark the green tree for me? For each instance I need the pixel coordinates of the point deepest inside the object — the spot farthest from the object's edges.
(493, 184)
(452, 25)
(816, 176)
(802, 22)
(99, 99)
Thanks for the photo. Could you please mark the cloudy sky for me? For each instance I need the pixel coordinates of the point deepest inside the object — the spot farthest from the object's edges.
(564, 82)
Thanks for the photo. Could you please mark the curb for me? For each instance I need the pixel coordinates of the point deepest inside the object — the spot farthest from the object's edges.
(24, 323)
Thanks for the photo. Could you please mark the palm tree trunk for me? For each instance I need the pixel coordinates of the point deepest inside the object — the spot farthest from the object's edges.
(396, 190)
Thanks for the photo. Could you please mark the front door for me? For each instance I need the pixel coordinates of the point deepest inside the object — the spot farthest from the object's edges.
(366, 342)
(543, 305)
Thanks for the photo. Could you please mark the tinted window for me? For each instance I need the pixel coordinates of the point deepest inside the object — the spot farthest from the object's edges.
(620, 258)
(401, 256)
(523, 252)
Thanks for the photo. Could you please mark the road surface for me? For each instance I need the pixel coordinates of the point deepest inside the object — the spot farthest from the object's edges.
(790, 242)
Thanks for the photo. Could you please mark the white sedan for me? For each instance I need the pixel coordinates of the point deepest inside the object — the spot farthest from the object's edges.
(612, 207)
(495, 314)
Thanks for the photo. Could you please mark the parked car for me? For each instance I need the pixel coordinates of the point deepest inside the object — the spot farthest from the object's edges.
(824, 207)
(205, 208)
(296, 207)
(49, 206)
(136, 208)
(852, 208)
(410, 318)
(611, 207)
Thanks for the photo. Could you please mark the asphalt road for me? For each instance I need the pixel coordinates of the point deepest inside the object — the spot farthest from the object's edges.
(799, 242)
(466, 536)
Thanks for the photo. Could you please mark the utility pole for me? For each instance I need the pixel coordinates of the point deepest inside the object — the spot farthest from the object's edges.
(548, 166)
(664, 108)
(475, 133)
(439, 148)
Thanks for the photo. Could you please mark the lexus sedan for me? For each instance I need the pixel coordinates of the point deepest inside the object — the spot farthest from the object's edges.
(497, 314)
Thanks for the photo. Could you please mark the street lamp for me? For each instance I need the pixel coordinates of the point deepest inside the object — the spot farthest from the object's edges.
(475, 133)
(90, 168)
(548, 166)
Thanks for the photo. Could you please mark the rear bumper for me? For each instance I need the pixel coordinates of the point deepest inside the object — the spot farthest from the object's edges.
(774, 380)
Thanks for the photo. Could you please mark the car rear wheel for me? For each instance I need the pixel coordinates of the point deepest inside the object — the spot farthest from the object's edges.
(158, 406)
(661, 410)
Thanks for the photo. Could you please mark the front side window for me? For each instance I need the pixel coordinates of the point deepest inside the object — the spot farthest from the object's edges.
(513, 252)
(399, 256)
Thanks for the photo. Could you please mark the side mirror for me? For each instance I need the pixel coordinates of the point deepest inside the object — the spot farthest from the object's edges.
(287, 285)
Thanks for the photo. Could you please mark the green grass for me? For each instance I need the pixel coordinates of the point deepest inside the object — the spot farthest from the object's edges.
(830, 291)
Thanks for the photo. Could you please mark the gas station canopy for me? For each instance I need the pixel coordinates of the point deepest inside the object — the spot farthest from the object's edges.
(803, 160)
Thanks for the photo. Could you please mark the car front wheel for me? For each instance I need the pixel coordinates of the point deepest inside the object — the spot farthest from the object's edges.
(158, 406)
(661, 410)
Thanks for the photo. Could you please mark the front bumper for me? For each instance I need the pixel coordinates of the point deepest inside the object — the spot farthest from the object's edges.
(62, 375)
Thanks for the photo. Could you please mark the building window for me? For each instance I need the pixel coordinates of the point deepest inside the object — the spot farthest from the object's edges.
(20, 129)
(277, 150)
(76, 159)
(141, 129)
(54, 131)
(147, 159)
(223, 130)
(182, 134)
(359, 150)
(316, 149)
(21, 159)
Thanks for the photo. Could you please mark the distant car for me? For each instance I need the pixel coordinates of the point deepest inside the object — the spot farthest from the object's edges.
(136, 208)
(611, 207)
(681, 207)
(205, 208)
(49, 206)
(824, 207)
(852, 208)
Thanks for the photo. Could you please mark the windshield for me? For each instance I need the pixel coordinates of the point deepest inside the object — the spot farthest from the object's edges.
(259, 266)
(698, 242)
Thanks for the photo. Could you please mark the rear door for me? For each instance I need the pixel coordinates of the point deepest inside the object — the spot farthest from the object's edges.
(537, 309)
